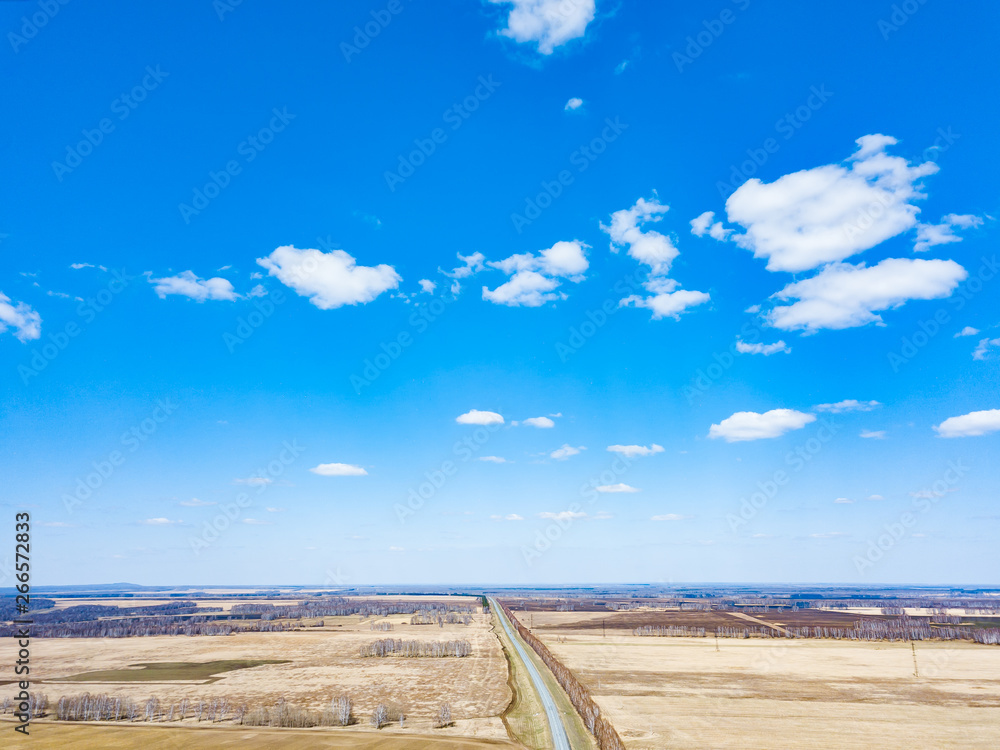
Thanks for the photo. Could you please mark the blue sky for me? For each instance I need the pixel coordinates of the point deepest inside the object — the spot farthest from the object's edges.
(726, 271)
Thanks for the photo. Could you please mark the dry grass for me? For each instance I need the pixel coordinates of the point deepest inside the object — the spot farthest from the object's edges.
(755, 693)
(321, 663)
(50, 736)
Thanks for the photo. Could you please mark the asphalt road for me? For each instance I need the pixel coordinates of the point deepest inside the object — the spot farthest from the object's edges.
(560, 740)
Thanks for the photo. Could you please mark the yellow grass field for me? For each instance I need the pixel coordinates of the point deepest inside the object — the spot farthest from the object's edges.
(322, 663)
(59, 736)
(777, 693)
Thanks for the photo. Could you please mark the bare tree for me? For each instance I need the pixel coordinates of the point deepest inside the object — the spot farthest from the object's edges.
(380, 716)
(444, 716)
(342, 708)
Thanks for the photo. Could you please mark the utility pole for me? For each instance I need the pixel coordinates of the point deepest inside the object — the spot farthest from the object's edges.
(913, 648)
(603, 632)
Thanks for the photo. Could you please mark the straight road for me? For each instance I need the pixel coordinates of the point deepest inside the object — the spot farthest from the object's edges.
(560, 740)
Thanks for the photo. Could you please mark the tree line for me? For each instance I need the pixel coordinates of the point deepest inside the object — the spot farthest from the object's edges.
(399, 647)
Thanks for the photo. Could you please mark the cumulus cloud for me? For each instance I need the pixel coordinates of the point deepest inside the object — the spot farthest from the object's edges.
(846, 296)
(615, 488)
(427, 286)
(704, 224)
(471, 264)
(873, 434)
(567, 450)
(825, 214)
(474, 416)
(875, 497)
(187, 284)
(564, 515)
(749, 425)
(655, 250)
(849, 404)
(548, 23)
(20, 316)
(632, 451)
(929, 235)
(542, 422)
(339, 470)
(765, 349)
(574, 103)
(670, 517)
(329, 280)
(972, 424)
(983, 348)
(494, 459)
(967, 331)
(534, 279)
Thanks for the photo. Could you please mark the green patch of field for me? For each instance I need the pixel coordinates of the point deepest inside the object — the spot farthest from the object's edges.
(205, 672)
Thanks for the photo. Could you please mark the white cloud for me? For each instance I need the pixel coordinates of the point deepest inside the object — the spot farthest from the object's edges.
(196, 503)
(843, 501)
(873, 434)
(428, 286)
(565, 515)
(494, 459)
(929, 235)
(256, 522)
(875, 497)
(549, 23)
(471, 264)
(187, 284)
(574, 103)
(805, 219)
(275, 510)
(257, 291)
(655, 250)
(648, 247)
(749, 425)
(967, 331)
(983, 348)
(339, 470)
(615, 488)
(254, 480)
(20, 316)
(765, 349)
(631, 451)
(160, 522)
(670, 517)
(329, 280)
(846, 296)
(971, 424)
(475, 416)
(668, 304)
(508, 517)
(567, 450)
(534, 278)
(849, 404)
(703, 224)
(620, 67)
(542, 422)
